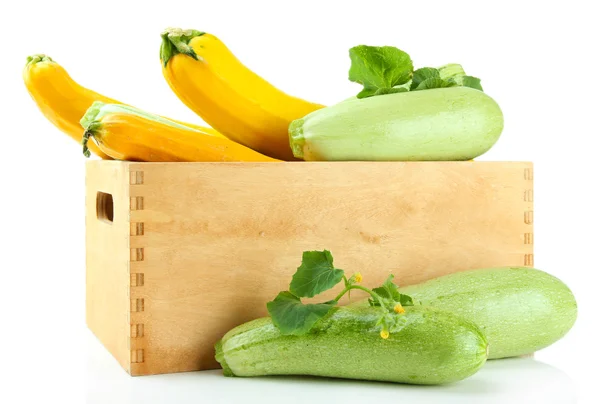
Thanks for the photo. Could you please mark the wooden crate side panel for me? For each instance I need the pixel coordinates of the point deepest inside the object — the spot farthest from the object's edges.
(220, 240)
(107, 256)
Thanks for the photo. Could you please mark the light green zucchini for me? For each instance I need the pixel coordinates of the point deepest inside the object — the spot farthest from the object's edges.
(455, 123)
(435, 347)
(521, 310)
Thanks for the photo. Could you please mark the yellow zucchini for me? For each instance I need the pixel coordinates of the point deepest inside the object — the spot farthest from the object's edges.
(63, 101)
(126, 133)
(212, 82)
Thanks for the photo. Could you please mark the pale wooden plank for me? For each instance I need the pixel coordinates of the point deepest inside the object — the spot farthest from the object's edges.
(107, 255)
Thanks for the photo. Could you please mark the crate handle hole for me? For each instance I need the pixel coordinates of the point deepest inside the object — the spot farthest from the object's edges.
(104, 207)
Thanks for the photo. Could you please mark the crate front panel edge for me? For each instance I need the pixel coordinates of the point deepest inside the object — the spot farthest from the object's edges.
(195, 249)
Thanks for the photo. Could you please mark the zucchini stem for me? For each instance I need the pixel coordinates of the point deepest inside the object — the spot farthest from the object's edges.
(176, 40)
(369, 291)
(84, 142)
(38, 58)
(345, 280)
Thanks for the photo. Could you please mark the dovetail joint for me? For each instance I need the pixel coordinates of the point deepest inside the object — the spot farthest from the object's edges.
(137, 330)
(136, 203)
(137, 356)
(136, 177)
(137, 229)
(137, 305)
(528, 217)
(136, 254)
(137, 280)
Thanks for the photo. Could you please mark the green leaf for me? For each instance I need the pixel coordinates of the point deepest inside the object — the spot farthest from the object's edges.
(378, 67)
(405, 300)
(366, 92)
(389, 290)
(383, 91)
(435, 83)
(316, 274)
(450, 71)
(423, 74)
(456, 72)
(473, 82)
(292, 317)
(449, 75)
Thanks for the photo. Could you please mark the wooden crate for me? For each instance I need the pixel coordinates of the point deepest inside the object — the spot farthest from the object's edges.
(179, 253)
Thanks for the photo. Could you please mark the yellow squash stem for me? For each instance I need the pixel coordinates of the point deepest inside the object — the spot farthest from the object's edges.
(126, 133)
(241, 105)
(63, 101)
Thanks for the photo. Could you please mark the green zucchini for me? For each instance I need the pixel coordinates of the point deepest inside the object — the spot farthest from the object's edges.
(520, 310)
(455, 123)
(435, 347)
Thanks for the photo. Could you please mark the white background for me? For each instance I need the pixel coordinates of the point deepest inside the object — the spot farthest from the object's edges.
(538, 59)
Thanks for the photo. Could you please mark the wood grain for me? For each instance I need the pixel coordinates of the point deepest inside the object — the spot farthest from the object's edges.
(208, 244)
(107, 257)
